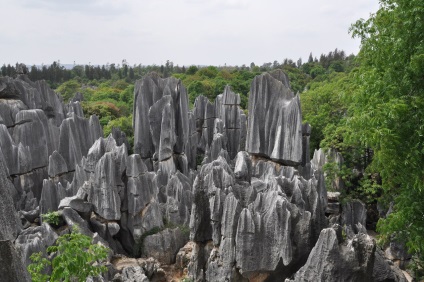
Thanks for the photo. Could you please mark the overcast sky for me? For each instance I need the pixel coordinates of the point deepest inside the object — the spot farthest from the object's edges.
(201, 32)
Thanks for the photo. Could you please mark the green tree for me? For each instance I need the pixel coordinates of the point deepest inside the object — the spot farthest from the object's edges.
(387, 112)
(192, 70)
(317, 70)
(323, 105)
(75, 259)
(125, 125)
(68, 89)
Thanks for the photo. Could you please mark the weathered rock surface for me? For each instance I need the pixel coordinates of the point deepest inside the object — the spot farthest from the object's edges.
(132, 273)
(385, 270)
(33, 240)
(164, 245)
(221, 125)
(261, 217)
(177, 199)
(275, 121)
(332, 260)
(51, 196)
(9, 221)
(161, 122)
(57, 164)
(11, 266)
(354, 216)
(254, 227)
(8, 110)
(77, 134)
(39, 142)
(131, 269)
(35, 95)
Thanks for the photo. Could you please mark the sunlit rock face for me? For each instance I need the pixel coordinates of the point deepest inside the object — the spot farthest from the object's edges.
(161, 120)
(260, 214)
(275, 120)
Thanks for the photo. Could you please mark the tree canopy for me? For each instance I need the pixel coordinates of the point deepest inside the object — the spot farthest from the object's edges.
(386, 112)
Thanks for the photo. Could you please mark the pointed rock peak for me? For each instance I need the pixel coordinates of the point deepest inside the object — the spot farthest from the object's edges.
(57, 164)
(281, 76)
(229, 97)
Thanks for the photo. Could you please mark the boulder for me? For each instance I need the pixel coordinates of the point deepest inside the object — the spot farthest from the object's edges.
(131, 273)
(164, 245)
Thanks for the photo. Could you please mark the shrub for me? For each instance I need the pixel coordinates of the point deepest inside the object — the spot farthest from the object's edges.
(51, 217)
(75, 259)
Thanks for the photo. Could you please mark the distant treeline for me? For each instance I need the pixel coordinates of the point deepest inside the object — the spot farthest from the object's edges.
(56, 74)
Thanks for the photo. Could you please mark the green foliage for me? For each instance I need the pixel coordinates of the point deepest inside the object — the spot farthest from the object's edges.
(386, 112)
(209, 72)
(75, 258)
(323, 106)
(369, 188)
(192, 70)
(316, 71)
(38, 267)
(344, 235)
(68, 89)
(124, 124)
(51, 217)
(336, 171)
(106, 111)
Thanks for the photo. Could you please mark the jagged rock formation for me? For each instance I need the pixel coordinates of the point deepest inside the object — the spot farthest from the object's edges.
(254, 215)
(221, 125)
(333, 260)
(252, 226)
(40, 138)
(160, 122)
(250, 212)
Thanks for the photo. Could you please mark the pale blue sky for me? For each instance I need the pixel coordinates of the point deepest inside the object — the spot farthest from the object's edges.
(202, 32)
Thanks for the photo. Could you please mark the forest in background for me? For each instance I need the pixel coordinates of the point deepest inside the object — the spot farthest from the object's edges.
(108, 90)
(369, 108)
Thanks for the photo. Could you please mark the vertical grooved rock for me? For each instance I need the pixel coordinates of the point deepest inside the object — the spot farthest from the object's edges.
(275, 127)
(331, 260)
(104, 196)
